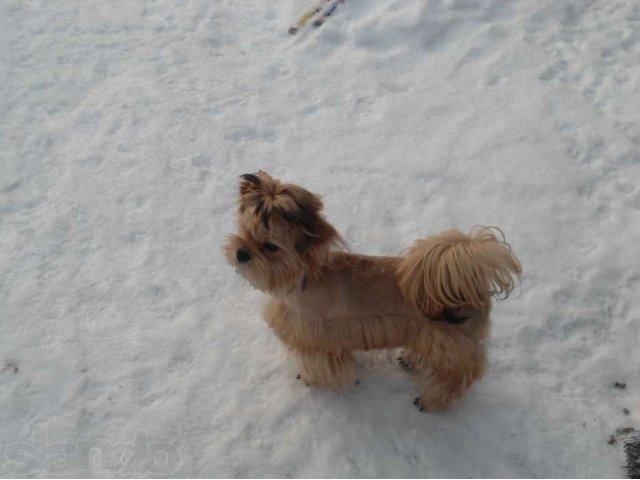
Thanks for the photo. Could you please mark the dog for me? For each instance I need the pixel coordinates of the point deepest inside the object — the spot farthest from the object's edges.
(433, 301)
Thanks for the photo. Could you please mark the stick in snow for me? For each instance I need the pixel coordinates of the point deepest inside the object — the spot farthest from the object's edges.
(306, 16)
(327, 13)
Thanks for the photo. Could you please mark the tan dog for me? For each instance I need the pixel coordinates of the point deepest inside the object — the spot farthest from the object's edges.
(327, 303)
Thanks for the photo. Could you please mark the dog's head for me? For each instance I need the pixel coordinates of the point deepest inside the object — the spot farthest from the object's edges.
(282, 237)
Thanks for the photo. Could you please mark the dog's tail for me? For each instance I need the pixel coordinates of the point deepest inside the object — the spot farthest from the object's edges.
(452, 270)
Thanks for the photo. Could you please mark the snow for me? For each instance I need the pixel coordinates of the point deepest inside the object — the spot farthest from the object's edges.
(130, 348)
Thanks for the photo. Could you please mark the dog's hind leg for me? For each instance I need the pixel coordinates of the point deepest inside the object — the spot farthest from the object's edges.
(334, 371)
(449, 363)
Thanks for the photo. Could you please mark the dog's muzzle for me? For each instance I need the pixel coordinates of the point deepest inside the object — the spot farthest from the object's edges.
(243, 255)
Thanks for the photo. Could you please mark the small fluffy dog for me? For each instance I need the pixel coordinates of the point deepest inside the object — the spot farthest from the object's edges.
(434, 301)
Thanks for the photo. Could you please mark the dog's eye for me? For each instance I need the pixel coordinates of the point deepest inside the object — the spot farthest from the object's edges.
(270, 247)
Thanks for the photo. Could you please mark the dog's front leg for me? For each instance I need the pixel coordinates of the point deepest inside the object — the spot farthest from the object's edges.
(332, 370)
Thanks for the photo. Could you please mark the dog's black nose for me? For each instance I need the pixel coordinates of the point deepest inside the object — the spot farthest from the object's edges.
(243, 255)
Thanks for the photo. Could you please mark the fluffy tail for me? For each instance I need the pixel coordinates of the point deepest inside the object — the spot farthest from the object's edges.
(453, 270)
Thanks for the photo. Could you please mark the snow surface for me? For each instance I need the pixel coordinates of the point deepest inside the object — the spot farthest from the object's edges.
(130, 348)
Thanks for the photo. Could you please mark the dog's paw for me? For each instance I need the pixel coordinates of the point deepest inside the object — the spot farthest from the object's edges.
(429, 404)
(404, 363)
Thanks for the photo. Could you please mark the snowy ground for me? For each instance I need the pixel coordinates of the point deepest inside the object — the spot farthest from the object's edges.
(129, 347)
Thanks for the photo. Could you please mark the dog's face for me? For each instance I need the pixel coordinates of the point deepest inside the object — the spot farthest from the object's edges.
(282, 237)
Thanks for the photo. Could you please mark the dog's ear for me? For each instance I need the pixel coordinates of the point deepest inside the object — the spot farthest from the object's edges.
(303, 208)
(324, 235)
(299, 206)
